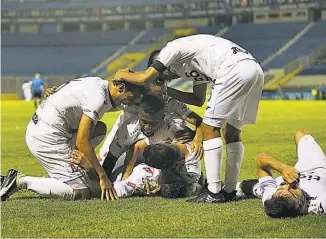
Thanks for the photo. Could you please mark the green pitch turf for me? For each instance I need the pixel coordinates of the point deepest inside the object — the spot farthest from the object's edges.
(26, 215)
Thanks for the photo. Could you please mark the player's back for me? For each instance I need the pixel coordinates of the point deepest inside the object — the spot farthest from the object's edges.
(64, 108)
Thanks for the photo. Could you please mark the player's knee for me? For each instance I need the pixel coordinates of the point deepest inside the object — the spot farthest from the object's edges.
(232, 134)
(210, 132)
(299, 134)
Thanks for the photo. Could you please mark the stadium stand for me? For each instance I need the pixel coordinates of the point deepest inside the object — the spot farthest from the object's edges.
(262, 40)
(305, 45)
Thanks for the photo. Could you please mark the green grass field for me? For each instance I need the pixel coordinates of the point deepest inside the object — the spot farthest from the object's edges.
(27, 215)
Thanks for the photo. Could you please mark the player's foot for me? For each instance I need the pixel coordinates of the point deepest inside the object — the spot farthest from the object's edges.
(245, 188)
(209, 197)
(2, 177)
(9, 185)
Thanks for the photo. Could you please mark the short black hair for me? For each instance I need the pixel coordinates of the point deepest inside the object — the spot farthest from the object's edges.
(152, 57)
(281, 207)
(172, 190)
(152, 103)
(129, 86)
(161, 156)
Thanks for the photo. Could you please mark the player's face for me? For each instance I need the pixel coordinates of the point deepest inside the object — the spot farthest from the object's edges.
(288, 191)
(150, 123)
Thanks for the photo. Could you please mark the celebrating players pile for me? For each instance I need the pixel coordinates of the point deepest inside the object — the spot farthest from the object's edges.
(152, 150)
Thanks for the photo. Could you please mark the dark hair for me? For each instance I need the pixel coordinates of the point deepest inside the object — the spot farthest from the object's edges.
(152, 103)
(172, 190)
(129, 86)
(281, 207)
(161, 156)
(152, 57)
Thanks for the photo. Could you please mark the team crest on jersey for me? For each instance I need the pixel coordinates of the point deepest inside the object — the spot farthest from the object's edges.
(73, 168)
(131, 185)
(148, 170)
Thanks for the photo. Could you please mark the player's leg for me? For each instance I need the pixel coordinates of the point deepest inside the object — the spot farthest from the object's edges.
(310, 154)
(109, 138)
(66, 180)
(234, 155)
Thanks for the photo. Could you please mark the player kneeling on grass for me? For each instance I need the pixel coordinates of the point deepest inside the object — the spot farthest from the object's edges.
(68, 119)
(300, 190)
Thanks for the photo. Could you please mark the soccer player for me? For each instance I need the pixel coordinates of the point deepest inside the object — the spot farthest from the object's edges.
(300, 190)
(168, 178)
(37, 88)
(237, 81)
(147, 129)
(26, 87)
(68, 119)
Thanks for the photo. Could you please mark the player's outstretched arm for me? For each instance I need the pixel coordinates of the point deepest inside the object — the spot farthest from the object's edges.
(196, 98)
(137, 77)
(266, 163)
(86, 127)
(137, 150)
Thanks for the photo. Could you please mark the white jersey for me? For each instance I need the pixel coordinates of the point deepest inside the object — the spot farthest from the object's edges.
(198, 58)
(142, 181)
(62, 111)
(312, 181)
(130, 132)
(173, 110)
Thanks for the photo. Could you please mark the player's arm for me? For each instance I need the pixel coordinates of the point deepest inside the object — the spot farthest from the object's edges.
(86, 127)
(137, 77)
(135, 153)
(196, 98)
(266, 163)
(197, 143)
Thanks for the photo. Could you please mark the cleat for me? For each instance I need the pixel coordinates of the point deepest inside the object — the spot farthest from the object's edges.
(9, 185)
(245, 189)
(2, 178)
(209, 197)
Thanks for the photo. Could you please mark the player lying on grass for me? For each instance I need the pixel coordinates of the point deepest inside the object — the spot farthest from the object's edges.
(68, 119)
(150, 128)
(169, 178)
(300, 190)
(237, 81)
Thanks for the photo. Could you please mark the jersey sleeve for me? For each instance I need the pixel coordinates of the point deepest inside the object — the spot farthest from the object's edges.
(175, 51)
(127, 134)
(92, 109)
(268, 187)
(180, 108)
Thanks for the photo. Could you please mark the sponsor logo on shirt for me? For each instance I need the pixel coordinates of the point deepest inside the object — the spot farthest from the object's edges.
(131, 185)
(96, 114)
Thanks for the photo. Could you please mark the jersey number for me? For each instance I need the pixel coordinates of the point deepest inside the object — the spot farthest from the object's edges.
(198, 76)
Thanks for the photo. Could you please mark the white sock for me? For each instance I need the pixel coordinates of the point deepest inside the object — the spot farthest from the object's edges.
(50, 187)
(235, 152)
(213, 150)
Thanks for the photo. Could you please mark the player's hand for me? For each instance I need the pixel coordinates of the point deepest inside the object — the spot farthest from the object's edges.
(290, 174)
(197, 148)
(183, 136)
(79, 158)
(49, 91)
(107, 189)
(118, 75)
